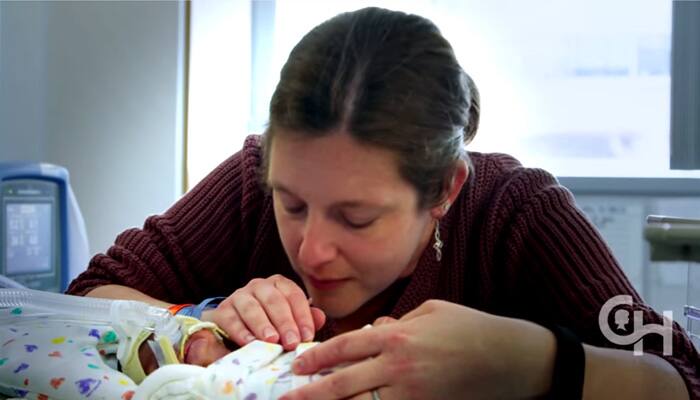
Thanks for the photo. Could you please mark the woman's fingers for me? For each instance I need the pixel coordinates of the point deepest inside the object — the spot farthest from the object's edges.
(428, 307)
(362, 396)
(299, 306)
(279, 312)
(356, 379)
(254, 317)
(319, 317)
(274, 309)
(228, 320)
(384, 321)
(351, 346)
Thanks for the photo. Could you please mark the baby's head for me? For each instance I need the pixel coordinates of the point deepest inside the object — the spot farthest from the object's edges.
(201, 348)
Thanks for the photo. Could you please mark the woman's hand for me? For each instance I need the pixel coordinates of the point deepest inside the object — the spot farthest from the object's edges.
(275, 310)
(438, 351)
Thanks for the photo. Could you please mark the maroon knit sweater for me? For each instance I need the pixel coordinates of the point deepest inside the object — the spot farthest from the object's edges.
(515, 245)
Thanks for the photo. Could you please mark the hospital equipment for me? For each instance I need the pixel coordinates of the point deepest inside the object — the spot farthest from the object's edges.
(67, 347)
(678, 239)
(43, 240)
(120, 313)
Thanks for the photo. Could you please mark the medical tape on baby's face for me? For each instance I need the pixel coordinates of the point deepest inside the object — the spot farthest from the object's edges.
(157, 352)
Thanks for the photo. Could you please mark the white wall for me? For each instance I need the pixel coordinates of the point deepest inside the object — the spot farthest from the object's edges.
(101, 93)
(22, 81)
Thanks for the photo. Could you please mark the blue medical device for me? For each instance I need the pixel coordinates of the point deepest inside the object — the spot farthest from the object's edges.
(43, 241)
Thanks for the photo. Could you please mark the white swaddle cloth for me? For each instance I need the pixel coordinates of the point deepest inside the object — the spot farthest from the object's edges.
(257, 371)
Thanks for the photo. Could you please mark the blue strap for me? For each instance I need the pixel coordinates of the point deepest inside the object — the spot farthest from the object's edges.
(186, 311)
(196, 311)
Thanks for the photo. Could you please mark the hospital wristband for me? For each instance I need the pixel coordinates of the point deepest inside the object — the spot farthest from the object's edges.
(206, 304)
(195, 311)
(177, 308)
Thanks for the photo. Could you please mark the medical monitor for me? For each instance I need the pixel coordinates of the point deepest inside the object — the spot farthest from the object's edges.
(43, 241)
(30, 232)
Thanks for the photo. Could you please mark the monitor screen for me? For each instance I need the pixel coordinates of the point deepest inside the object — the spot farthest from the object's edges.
(28, 238)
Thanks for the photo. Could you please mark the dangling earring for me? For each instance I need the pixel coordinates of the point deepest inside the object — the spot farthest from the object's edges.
(438, 243)
(446, 207)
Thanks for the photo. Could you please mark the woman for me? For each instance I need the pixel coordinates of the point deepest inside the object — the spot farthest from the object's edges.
(482, 269)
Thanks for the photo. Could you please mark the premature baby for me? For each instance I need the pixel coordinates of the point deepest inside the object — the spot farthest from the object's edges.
(257, 371)
(57, 357)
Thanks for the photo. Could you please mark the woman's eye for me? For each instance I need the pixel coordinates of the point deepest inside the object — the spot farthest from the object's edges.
(295, 210)
(358, 223)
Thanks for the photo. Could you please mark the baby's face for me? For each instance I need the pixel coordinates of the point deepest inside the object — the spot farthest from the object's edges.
(202, 348)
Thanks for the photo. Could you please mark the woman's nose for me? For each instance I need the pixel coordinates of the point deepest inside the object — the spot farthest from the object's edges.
(317, 246)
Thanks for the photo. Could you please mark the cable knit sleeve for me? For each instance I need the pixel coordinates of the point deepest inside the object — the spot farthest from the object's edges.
(556, 253)
(194, 249)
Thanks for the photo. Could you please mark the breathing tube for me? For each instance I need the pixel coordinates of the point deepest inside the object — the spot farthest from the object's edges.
(123, 315)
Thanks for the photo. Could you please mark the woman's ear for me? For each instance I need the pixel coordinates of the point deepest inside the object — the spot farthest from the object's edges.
(459, 176)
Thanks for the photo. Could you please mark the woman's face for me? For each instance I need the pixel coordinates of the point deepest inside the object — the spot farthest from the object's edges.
(349, 223)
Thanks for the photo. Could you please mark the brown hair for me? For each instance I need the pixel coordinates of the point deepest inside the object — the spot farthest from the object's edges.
(389, 79)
